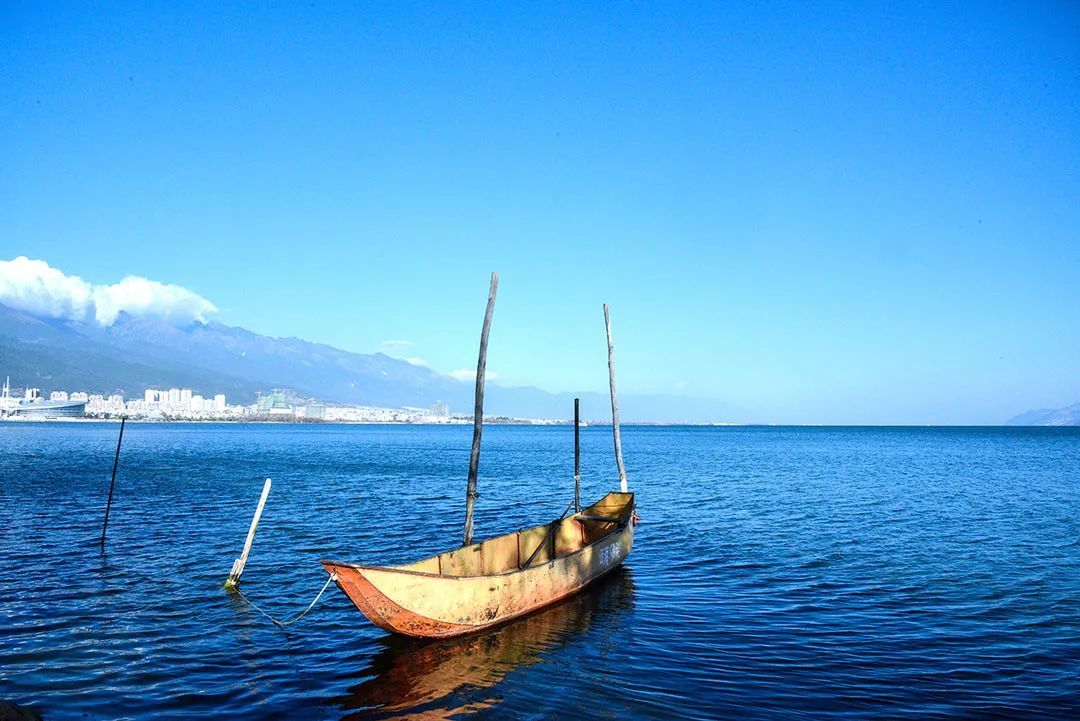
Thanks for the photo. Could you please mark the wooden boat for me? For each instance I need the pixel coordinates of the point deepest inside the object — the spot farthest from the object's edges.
(482, 585)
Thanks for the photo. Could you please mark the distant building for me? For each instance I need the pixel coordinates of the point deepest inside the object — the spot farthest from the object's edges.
(7, 403)
(58, 396)
(219, 403)
(273, 403)
(52, 409)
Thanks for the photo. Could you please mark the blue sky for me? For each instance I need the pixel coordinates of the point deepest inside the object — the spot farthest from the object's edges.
(828, 213)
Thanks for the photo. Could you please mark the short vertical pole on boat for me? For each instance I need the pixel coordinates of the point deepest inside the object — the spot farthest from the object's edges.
(577, 455)
(614, 399)
(478, 413)
(112, 483)
(238, 565)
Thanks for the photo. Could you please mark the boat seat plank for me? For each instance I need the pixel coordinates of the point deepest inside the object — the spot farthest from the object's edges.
(500, 554)
(467, 561)
(532, 538)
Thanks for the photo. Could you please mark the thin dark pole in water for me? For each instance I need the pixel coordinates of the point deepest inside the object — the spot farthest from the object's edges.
(112, 484)
(577, 455)
(478, 414)
(614, 400)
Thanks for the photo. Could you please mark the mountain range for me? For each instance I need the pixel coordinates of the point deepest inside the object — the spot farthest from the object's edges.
(1067, 416)
(136, 353)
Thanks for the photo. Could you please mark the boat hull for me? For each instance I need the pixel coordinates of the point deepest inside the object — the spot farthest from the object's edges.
(433, 605)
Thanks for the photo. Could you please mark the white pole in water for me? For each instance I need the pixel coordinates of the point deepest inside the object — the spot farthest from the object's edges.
(238, 565)
(614, 400)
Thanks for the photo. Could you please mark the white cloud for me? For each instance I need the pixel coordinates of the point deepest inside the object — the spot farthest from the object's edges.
(466, 374)
(681, 385)
(148, 298)
(395, 346)
(37, 288)
(415, 361)
(33, 286)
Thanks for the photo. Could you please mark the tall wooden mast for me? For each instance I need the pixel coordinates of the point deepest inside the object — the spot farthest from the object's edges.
(478, 413)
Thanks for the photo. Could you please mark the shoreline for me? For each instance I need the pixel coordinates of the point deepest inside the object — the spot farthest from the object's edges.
(540, 424)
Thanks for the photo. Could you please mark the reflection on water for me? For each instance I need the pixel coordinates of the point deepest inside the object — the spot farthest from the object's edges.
(411, 678)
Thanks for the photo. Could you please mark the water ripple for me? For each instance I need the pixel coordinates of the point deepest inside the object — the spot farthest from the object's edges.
(777, 573)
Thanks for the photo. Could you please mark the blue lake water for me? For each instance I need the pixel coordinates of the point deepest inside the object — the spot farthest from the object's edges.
(776, 573)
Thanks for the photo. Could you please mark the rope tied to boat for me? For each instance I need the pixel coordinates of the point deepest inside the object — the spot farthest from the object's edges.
(283, 624)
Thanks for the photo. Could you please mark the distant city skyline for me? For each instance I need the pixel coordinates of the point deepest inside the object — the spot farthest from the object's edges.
(814, 214)
(183, 404)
